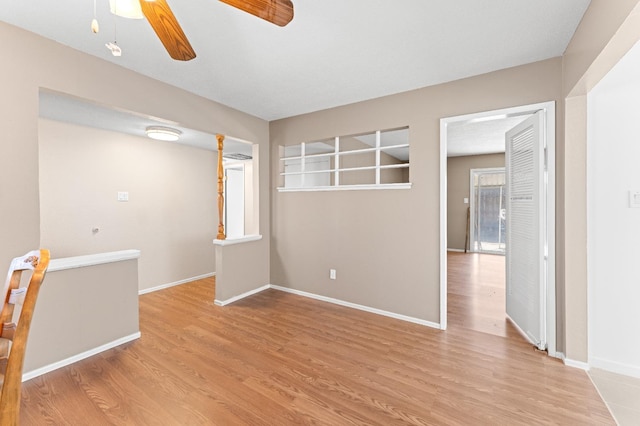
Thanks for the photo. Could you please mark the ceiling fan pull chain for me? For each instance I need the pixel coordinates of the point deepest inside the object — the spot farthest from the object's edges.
(113, 46)
(95, 28)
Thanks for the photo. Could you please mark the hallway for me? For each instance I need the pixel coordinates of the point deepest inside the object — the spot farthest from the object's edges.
(476, 293)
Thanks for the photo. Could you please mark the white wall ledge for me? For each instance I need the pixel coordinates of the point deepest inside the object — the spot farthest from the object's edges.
(232, 241)
(91, 259)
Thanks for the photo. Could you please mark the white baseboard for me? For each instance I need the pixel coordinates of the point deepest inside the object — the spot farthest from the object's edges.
(79, 357)
(240, 296)
(329, 300)
(186, 280)
(573, 363)
(558, 355)
(456, 250)
(356, 306)
(615, 367)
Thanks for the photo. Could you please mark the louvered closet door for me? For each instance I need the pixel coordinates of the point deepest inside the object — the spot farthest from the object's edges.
(525, 260)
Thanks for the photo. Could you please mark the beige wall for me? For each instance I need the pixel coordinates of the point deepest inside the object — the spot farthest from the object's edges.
(171, 213)
(31, 62)
(237, 269)
(458, 169)
(366, 159)
(384, 243)
(592, 40)
(82, 309)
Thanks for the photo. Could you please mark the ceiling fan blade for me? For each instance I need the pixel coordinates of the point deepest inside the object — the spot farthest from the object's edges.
(279, 12)
(166, 26)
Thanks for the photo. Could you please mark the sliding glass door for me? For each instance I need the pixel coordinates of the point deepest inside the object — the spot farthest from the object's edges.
(488, 203)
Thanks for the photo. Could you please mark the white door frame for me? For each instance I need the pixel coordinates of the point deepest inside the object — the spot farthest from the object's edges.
(550, 134)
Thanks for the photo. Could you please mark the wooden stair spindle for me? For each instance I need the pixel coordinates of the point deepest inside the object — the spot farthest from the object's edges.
(221, 234)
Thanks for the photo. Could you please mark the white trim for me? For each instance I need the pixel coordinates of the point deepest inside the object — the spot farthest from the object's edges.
(575, 364)
(456, 250)
(241, 296)
(175, 283)
(347, 187)
(443, 224)
(341, 153)
(91, 260)
(615, 367)
(356, 306)
(79, 357)
(329, 300)
(350, 169)
(549, 108)
(550, 291)
(240, 240)
(336, 175)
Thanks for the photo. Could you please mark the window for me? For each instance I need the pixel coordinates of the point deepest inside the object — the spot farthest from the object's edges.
(373, 160)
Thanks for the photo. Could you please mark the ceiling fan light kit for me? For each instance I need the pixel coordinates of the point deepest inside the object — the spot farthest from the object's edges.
(166, 26)
(163, 133)
(114, 48)
(126, 8)
(95, 28)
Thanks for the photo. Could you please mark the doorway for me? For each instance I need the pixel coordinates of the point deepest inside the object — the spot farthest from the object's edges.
(547, 281)
(487, 219)
(234, 196)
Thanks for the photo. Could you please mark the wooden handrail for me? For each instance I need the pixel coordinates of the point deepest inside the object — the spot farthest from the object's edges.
(12, 384)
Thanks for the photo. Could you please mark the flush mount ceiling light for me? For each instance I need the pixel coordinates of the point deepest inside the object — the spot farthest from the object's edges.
(163, 133)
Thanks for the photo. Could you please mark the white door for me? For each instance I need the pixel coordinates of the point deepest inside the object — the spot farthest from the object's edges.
(526, 228)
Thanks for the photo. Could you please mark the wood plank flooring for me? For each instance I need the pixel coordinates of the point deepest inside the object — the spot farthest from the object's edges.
(280, 359)
(476, 293)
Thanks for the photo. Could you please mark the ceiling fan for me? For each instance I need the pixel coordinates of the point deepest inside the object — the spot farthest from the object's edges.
(166, 26)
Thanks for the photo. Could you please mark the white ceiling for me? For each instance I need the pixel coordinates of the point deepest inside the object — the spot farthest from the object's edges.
(476, 137)
(334, 52)
(55, 106)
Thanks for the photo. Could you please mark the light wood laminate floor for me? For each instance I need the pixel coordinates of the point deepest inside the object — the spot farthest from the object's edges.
(476, 293)
(280, 359)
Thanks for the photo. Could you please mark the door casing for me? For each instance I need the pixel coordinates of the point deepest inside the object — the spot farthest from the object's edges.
(550, 134)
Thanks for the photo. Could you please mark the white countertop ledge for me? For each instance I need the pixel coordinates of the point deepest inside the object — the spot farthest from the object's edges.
(64, 263)
(232, 241)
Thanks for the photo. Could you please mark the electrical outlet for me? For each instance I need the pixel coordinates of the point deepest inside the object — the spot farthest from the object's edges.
(332, 274)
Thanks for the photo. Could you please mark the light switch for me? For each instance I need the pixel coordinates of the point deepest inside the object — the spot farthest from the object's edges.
(123, 196)
(634, 199)
(466, 200)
